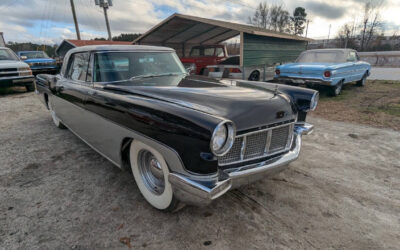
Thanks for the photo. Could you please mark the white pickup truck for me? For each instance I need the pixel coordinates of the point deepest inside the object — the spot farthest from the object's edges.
(14, 72)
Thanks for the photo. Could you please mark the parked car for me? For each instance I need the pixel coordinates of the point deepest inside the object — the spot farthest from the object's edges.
(329, 67)
(230, 68)
(202, 56)
(39, 62)
(14, 72)
(185, 138)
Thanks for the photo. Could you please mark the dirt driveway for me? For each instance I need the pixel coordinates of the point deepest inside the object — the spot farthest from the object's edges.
(57, 193)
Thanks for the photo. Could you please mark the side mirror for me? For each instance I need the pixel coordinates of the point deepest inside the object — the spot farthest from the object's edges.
(24, 58)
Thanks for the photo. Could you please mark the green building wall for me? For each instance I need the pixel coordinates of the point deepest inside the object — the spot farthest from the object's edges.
(260, 50)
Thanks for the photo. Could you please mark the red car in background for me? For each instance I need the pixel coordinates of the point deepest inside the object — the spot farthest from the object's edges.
(202, 56)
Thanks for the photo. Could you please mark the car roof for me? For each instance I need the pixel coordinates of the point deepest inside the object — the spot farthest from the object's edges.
(119, 48)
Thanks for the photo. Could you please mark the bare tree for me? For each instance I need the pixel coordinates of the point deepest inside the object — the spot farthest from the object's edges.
(370, 23)
(345, 37)
(273, 17)
(261, 16)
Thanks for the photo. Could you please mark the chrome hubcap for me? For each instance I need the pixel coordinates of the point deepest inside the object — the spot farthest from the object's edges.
(151, 172)
(338, 89)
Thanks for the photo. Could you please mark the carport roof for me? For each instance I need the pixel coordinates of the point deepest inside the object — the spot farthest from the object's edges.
(180, 28)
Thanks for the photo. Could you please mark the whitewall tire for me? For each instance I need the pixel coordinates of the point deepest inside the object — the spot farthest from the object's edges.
(150, 171)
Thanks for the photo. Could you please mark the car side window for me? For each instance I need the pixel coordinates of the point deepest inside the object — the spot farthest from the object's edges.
(352, 57)
(219, 52)
(209, 51)
(78, 68)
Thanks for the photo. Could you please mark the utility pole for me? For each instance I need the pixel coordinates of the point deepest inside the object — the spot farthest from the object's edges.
(105, 4)
(78, 34)
(308, 22)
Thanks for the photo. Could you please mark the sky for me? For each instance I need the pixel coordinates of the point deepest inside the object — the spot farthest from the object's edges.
(50, 21)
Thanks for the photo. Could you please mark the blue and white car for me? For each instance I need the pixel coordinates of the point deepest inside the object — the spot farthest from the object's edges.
(329, 67)
(39, 62)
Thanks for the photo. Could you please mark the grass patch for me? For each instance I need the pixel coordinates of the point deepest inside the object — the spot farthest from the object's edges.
(376, 104)
(391, 109)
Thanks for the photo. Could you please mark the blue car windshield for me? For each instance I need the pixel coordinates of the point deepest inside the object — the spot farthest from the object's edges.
(6, 54)
(321, 57)
(34, 54)
(135, 66)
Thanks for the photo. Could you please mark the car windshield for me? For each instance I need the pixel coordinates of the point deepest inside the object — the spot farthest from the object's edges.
(321, 57)
(125, 66)
(34, 54)
(6, 54)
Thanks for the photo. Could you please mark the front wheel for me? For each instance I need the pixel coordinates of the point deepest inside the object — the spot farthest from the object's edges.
(151, 175)
(337, 89)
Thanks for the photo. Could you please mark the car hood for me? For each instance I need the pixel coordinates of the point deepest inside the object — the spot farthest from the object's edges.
(247, 108)
(39, 60)
(12, 64)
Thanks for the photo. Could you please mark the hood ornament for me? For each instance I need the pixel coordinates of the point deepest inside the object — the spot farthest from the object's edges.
(276, 89)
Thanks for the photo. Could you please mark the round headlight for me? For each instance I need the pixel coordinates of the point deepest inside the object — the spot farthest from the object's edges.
(223, 138)
(314, 101)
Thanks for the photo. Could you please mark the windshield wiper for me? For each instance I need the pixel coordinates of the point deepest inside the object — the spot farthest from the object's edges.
(151, 76)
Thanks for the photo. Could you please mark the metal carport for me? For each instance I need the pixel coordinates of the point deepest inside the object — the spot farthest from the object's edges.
(258, 46)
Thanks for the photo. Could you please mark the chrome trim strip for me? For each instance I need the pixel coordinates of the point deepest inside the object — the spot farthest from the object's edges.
(268, 144)
(243, 148)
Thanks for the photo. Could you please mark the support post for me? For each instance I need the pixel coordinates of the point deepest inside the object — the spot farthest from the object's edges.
(105, 7)
(78, 34)
(265, 73)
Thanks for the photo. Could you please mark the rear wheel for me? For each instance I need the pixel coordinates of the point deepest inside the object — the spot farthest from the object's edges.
(56, 120)
(151, 175)
(337, 89)
(254, 76)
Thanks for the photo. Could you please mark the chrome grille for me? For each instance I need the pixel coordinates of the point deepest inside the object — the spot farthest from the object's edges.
(255, 145)
(233, 154)
(279, 139)
(259, 144)
(9, 72)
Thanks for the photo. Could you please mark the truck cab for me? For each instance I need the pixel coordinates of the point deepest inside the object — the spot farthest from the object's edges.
(202, 56)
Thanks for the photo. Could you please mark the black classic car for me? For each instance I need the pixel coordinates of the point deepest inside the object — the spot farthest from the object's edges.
(186, 139)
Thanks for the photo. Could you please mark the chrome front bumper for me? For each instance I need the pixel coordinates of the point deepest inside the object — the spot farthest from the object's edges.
(201, 193)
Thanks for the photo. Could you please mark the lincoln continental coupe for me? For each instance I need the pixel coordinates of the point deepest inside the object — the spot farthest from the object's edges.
(186, 139)
(328, 67)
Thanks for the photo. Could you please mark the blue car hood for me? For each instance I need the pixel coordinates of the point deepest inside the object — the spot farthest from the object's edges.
(39, 60)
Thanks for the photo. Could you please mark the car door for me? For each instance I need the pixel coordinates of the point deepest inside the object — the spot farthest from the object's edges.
(71, 91)
(355, 68)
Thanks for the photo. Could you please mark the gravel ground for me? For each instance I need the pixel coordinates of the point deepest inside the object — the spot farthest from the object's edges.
(57, 193)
